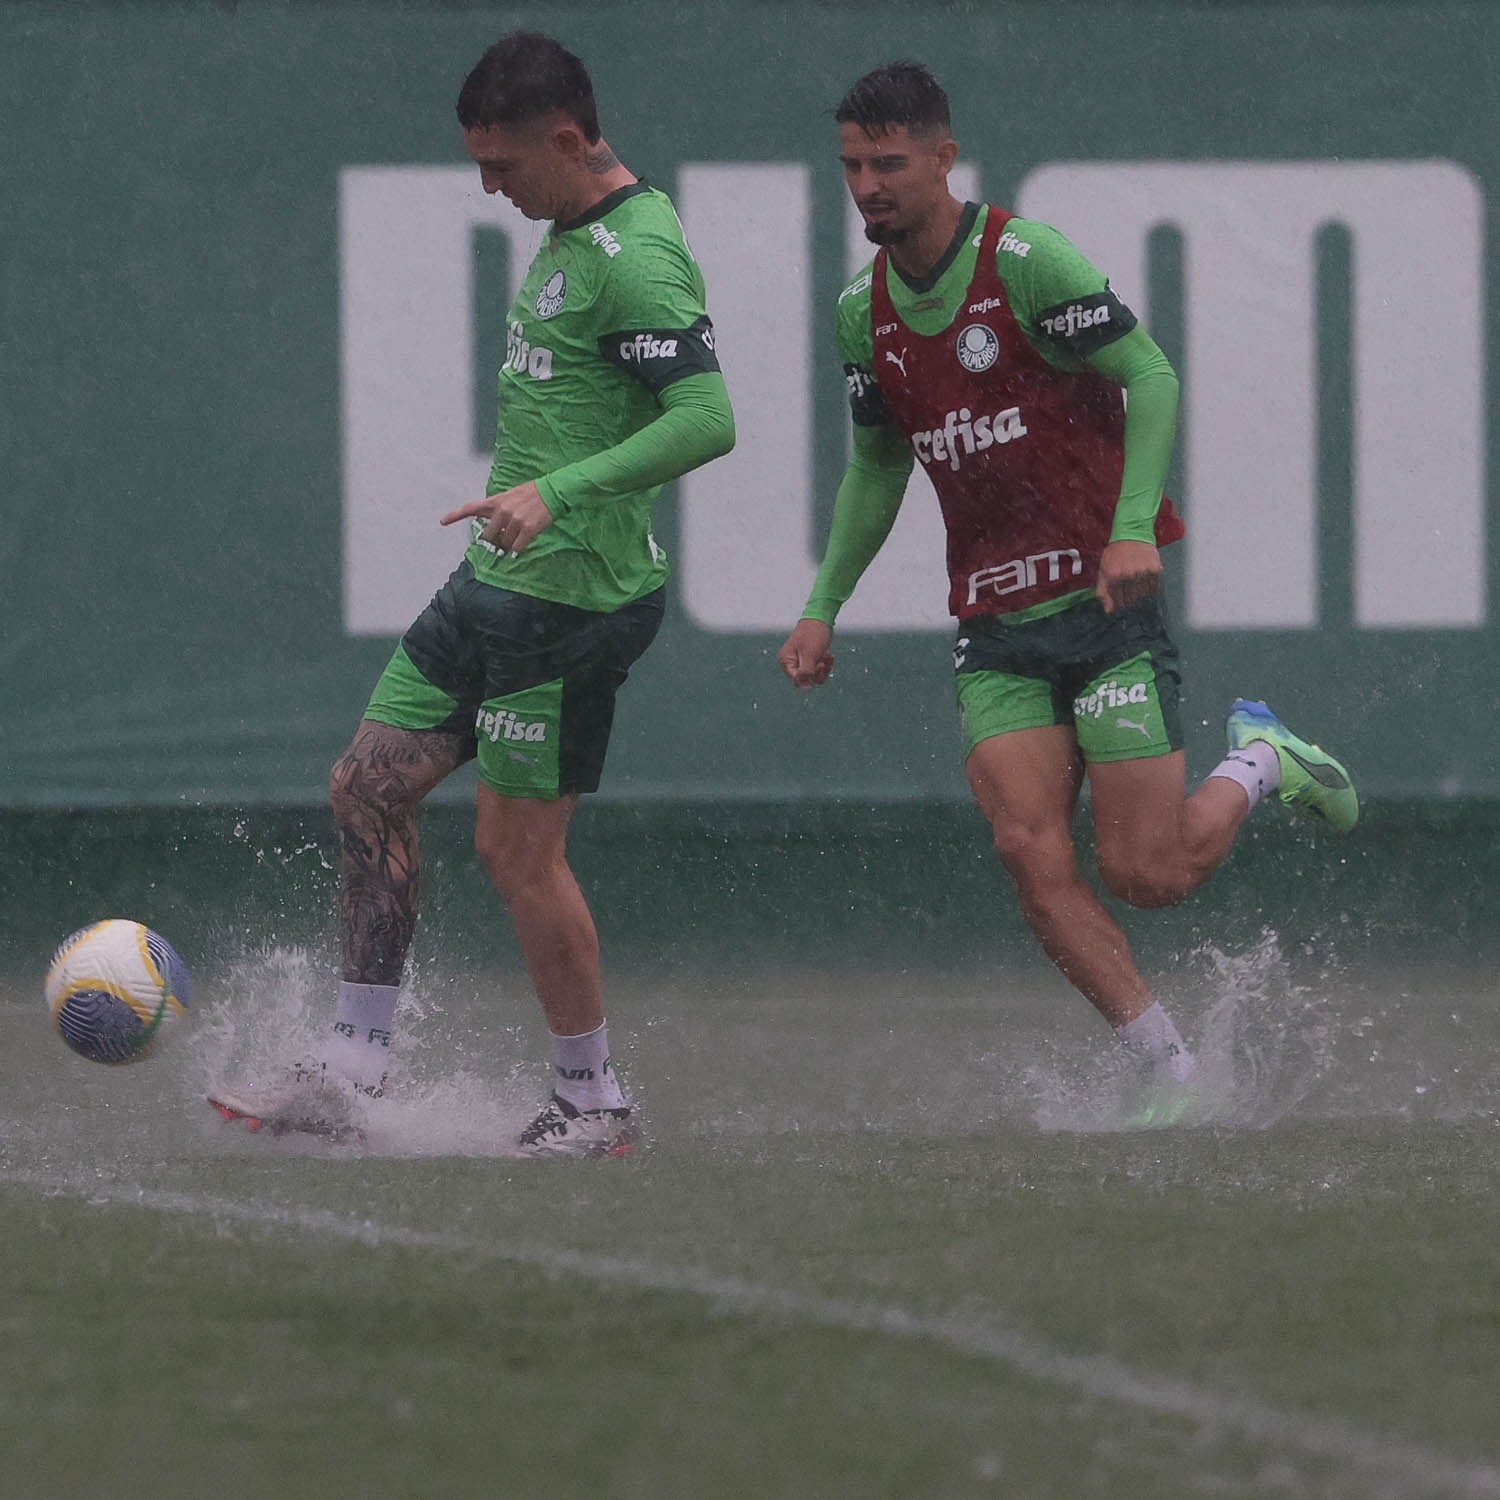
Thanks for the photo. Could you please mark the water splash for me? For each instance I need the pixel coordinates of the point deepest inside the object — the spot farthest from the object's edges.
(1263, 1041)
(268, 1008)
(442, 1096)
(1266, 1040)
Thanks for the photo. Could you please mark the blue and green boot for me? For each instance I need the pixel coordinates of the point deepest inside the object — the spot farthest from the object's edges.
(1160, 1105)
(1313, 783)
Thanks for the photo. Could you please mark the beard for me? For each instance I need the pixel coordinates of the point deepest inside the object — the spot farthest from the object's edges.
(885, 230)
(885, 234)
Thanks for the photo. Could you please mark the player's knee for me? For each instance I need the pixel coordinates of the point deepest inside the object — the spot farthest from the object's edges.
(493, 849)
(515, 861)
(1140, 881)
(1034, 854)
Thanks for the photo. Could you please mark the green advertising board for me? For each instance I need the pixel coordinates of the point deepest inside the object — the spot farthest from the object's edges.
(253, 306)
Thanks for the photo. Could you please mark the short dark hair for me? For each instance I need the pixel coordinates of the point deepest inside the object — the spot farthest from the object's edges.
(900, 93)
(524, 76)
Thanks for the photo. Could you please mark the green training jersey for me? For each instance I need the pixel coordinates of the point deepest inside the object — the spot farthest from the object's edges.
(1043, 274)
(611, 312)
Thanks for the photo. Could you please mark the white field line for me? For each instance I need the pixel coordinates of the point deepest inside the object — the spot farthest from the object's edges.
(1425, 1471)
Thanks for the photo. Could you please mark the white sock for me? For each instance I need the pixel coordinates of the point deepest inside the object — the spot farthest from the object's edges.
(585, 1077)
(362, 1031)
(1155, 1040)
(1255, 768)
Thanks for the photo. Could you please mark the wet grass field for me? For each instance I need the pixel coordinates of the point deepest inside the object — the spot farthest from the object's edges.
(886, 1236)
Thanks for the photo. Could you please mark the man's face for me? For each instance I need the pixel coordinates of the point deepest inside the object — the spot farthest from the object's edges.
(897, 179)
(521, 163)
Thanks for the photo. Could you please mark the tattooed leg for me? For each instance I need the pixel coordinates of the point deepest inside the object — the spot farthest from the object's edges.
(376, 787)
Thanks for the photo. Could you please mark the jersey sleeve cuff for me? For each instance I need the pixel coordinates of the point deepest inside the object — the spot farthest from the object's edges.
(1136, 529)
(550, 496)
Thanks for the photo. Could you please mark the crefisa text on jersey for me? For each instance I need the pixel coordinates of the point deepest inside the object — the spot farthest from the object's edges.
(646, 346)
(962, 434)
(525, 358)
(606, 239)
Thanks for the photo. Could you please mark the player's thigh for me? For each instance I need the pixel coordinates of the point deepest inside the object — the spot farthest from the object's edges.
(543, 726)
(1126, 684)
(1128, 720)
(414, 732)
(386, 767)
(435, 677)
(520, 838)
(1137, 804)
(1026, 782)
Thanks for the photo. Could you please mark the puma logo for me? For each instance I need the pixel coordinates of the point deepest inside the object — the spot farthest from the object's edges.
(1320, 771)
(1123, 723)
(899, 360)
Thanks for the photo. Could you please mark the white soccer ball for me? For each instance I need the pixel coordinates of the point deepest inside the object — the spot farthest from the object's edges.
(115, 990)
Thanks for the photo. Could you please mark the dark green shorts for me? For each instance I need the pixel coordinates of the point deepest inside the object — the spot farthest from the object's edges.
(533, 681)
(1114, 678)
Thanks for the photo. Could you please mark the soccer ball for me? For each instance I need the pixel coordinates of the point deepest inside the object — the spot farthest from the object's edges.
(115, 989)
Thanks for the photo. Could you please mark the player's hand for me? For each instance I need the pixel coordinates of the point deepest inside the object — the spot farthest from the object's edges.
(515, 517)
(1128, 573)
(806, 658)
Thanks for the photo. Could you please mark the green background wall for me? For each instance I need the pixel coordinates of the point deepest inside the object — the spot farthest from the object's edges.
(170, 403)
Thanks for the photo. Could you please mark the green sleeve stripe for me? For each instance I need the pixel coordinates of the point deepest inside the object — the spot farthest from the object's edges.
(864, 511)
(1137, 363)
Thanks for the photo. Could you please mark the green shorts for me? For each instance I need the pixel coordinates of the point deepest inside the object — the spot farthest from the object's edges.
(533, 681)
(1114, 678)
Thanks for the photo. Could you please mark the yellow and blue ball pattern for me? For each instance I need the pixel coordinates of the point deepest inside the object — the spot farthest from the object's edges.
(115, 989)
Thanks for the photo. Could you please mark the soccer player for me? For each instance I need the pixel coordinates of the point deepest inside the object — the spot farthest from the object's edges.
(987, 346)
(610, 388)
